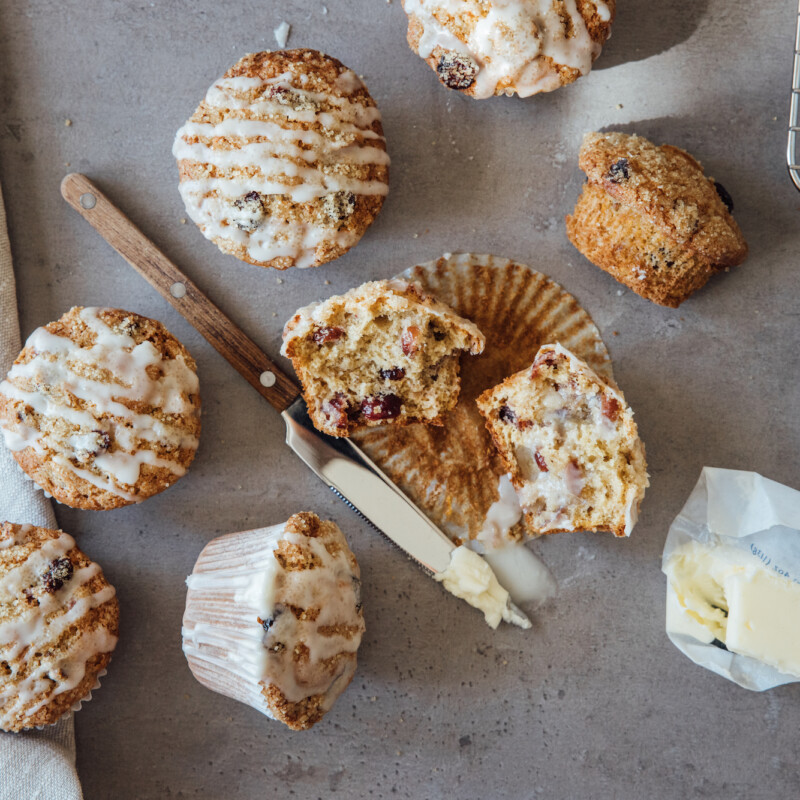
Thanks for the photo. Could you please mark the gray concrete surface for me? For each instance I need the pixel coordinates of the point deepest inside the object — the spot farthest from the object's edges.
(594, 702)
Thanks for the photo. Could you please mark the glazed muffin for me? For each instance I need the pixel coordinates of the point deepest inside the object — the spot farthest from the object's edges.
(101, 408)
(569, 444)
(284, 163)
(59, 623)
(382, 353)
(650, 217)
(273, 618)
(491, 47)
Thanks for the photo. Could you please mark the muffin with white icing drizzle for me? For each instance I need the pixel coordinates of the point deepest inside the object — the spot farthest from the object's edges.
(492, 47)
(101, 408)
(382, 353)
(570, 445)
(59, 623)
(273, 618)
(284, 163)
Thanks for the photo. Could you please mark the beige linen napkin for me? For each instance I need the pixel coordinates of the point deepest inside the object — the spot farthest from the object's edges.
(37, 765)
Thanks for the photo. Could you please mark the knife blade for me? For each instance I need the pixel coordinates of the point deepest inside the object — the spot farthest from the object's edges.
(341, 465)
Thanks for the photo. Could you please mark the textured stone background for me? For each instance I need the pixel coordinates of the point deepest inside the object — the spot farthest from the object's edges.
(594, 702)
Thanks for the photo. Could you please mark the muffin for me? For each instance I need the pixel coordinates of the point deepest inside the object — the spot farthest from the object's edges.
(453, 472)
(273, 618)
(284, 163)
(101, 408)
(490, 47)
(59, 623)
(650, 217)
(569, 444)
(382, 353)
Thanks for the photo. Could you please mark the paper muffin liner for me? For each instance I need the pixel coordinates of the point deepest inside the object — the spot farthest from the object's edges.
(76, 706)
(222, 646)
(263, 627)
(453, 471)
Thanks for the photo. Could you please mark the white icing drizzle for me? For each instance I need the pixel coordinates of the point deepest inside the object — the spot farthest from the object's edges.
(39, 627)
(60, 369)
(502, 515)
(507, 43)
(264, 137)
(237, 582)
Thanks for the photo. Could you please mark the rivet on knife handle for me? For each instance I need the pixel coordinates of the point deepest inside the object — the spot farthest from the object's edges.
(229, 340)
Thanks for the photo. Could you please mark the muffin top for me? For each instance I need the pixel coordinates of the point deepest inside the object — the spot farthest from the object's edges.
(284, 163)
(490, 47)
(59, 622)
(668, 187)
(101, 408)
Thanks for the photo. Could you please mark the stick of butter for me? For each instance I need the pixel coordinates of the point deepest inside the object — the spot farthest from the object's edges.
(740, 602)
(764, 619)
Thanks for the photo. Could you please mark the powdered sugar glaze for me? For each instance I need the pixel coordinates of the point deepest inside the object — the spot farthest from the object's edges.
(240, 633)
(509, 40)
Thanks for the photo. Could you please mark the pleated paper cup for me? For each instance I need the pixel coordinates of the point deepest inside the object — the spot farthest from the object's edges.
(273, 618)
(453, 472)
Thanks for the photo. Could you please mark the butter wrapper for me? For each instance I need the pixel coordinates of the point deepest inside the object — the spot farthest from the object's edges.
(760, 518)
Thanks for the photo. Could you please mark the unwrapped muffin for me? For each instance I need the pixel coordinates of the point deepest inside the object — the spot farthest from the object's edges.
(273, 618)
(384, 352)
(59, 623)
(102, 408)
(570, 445)
(284, 162)
(650, 217)
(490, 47)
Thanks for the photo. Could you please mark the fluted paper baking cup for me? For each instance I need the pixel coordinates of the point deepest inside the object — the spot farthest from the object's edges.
(453, 471)
(76, 706)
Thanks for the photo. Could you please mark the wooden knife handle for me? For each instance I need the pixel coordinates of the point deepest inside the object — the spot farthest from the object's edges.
(229, 340)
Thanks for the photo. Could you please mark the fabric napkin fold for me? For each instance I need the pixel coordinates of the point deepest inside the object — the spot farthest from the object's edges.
(35, 765)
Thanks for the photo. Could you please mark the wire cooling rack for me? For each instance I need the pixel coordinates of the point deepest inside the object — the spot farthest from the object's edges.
(792, 157)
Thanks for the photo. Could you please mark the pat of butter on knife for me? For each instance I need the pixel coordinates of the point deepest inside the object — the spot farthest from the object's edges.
(469, 577)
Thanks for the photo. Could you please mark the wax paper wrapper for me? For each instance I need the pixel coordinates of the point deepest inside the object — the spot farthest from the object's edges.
(750, 512)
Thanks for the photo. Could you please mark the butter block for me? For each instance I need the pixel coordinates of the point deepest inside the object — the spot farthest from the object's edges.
(725, 593)
(764, 619)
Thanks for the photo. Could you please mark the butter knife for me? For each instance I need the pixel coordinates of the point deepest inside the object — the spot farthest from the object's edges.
(341, 464)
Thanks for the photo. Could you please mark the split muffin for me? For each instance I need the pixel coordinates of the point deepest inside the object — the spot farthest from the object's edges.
(383, 353)
(569, 444)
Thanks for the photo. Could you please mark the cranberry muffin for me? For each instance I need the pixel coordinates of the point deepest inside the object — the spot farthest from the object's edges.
(383, 353)
(274, 619)
(483, 48)
(284, 162)
(650, 217)
(570, 445)
(59, 623)
(102, 408)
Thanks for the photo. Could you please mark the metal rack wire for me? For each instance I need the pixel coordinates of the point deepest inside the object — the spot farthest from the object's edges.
(792, 155)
